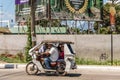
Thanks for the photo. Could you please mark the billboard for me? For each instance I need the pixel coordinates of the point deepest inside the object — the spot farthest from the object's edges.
(63, 9)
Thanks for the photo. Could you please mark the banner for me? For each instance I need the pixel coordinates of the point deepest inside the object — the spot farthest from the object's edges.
(21, 1)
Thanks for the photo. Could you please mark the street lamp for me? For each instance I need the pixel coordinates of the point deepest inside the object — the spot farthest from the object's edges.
(112, 22)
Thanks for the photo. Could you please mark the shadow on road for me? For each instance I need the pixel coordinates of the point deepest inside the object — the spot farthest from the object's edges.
(67, 75)
(73, 75)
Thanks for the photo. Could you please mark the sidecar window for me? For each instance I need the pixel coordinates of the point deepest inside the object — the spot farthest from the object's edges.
(70, 48)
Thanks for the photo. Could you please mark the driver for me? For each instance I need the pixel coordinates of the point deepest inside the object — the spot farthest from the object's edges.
(53, 55)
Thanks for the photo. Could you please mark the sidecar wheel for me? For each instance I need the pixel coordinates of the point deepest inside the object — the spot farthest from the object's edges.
(61, 69)
(31, 68)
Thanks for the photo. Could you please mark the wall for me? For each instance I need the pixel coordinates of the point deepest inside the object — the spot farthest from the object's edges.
(86, 46)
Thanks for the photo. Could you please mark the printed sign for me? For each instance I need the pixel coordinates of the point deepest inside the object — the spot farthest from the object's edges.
(76, 6)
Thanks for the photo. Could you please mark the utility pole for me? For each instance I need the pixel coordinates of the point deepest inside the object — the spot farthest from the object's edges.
(49, 15)
(49, 10)
(32, 4)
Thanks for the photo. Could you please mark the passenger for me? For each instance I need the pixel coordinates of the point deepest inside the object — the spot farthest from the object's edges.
(43, 48)
(61, 52)
(41, 51)
(53, 55)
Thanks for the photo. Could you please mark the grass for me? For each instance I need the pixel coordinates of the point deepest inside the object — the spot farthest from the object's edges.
(82, 61)
(9, 58)
(19, 58)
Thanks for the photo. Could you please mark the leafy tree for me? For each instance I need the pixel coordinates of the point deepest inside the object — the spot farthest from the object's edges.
(118, 18)
(105, 29)
(29, 43)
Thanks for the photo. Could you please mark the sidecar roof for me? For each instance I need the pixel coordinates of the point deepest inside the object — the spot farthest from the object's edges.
(57, 41)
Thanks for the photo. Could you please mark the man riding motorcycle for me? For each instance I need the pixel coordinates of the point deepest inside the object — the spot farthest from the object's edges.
(53, 55)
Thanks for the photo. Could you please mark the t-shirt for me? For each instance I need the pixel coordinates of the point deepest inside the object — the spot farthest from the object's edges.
(54, 54)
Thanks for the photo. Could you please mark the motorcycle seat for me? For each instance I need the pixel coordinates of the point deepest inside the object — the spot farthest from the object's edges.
(54, 63)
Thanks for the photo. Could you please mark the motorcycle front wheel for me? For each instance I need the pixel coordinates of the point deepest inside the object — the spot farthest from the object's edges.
(31, 68)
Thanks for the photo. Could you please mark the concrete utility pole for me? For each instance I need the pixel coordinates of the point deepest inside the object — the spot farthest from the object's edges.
(49, 15)
(49, 10)
(32, 14)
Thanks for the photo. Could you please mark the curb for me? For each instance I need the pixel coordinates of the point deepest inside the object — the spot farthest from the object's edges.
(12, 66)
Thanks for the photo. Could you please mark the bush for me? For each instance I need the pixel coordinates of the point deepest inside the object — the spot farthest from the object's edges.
(10, 58)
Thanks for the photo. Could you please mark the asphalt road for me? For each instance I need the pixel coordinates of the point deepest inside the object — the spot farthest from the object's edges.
(81, 74)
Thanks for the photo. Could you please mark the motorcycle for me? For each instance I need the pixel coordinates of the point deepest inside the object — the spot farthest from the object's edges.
(59, 67)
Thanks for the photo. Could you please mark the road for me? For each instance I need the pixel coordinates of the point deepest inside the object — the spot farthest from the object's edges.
(81, 74)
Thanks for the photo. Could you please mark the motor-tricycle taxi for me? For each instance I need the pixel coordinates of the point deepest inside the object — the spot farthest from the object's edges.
(60, 67)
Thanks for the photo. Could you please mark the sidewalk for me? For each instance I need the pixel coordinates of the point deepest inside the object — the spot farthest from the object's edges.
(83, 67)
(99, 68)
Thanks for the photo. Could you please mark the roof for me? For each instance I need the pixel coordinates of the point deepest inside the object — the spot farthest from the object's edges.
(57, 41)
(4, 30)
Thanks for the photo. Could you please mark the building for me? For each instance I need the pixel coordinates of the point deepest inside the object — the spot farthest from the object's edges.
(6, 22)
(4, 30)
